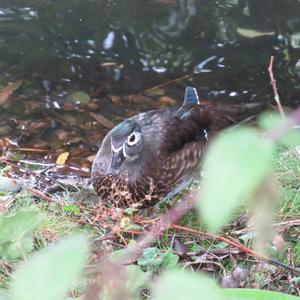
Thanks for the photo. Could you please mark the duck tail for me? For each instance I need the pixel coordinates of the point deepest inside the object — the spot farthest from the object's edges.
(224, 115)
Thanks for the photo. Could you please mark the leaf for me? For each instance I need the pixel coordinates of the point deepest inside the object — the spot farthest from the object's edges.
(236, 163)
(181, 284)
(79, 97)
(170, 259)
(252, 33)
(251, 294)
(166, 100)
(4, 294)
(269, 121)
(102, 120)
(7, 92)
(73, 209)
(51, 272)
(132, 226)
(130, 211)
(119, 255)
(16, 233)
(122, 282)
(137, 280)
(153, 259)
(62, 158)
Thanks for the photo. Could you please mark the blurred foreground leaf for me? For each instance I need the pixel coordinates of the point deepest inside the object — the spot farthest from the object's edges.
(137, 280)
(181, 284)
(236, 163)
(251, 294)
(4, 294)
(269, 121)
(118, 256)
(16, 238)
(50, 273)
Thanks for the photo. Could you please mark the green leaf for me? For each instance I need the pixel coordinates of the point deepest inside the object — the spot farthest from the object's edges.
(269, 121)
(127, 281)
(181, 284)
(130, 211)
(153, 259)
(16, 233)
(133, 226)
(236, 163)
(137, 280)
(79, 96)
(73, 209)
(170, 259)
(119, 255)
(251, 294)
(4, 294)
(50, 273)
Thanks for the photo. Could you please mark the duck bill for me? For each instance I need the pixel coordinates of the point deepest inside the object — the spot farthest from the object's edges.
(116, 162)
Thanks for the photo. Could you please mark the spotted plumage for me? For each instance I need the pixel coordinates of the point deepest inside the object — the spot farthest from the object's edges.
(157, 153)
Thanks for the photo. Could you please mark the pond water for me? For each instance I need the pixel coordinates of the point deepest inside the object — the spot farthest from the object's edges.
(80, 58)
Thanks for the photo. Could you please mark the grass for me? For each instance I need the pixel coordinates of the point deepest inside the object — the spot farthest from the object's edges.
(59, 223)
(288, 174)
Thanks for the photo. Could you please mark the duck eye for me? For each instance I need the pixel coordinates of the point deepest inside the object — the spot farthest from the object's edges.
(132, 139)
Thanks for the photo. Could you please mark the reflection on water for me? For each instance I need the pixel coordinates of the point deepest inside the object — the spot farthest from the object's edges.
(63, 41)
(123, 47)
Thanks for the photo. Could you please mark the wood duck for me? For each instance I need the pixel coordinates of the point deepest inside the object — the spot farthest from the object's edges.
(155, 154)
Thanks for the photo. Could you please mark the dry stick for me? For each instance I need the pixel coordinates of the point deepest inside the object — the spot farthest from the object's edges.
(171, 216)
(285, 224)
(235, 244)
(238, 246)
(167, 83)
(42, 196)
(35, 150)
(273, 82)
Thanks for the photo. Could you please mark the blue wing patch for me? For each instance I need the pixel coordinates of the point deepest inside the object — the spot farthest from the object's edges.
(191, 96)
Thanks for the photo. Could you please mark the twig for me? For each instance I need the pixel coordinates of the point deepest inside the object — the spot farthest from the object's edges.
(273, 82)
(35, 150)
(42, 196)
(167, 83)
(102, 120)
(285, 224)
(238, 246)
(171, 216)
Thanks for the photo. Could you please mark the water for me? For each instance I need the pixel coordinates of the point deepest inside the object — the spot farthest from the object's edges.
(121, 48)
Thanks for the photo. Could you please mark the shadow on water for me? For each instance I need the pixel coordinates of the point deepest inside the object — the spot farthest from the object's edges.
(82, 57)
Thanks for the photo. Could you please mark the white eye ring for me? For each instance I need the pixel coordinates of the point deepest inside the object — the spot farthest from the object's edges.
(133, 138)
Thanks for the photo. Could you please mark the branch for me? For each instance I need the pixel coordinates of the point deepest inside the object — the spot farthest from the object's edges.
(273, 82)
(238, 246)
